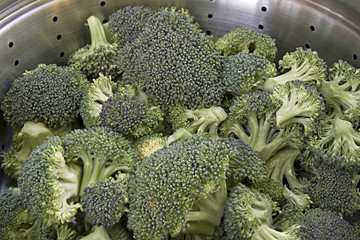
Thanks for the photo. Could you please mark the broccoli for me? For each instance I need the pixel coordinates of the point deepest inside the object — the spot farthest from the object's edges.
(24, 142)
(148, 144)
(246, 164)
(337, 137)
(331, 187)
(341, 89)
(265, 232)
(131, 115)
(246, 40)
(100, 56)
(246, 210)
(200, 121)
(95, 96)
(50, 183)
(118, 232)
(174, 62)
(244, 72)
(127, 23)
(97, 233)
(272, 188)
(102, 153)
(179, 189)
(251, 118)
(104, 203)
(296, 200)
(49, 94)
(318, 224)
(298, 103)
(302, 65)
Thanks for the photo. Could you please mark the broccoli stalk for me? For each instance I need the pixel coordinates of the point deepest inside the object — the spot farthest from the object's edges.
(296, 200)
(97, 233)
(264, 232)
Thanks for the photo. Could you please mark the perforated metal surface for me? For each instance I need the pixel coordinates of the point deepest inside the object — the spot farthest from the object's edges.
(45, 31)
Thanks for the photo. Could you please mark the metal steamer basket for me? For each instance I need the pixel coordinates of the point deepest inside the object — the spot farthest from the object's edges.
(48, 31)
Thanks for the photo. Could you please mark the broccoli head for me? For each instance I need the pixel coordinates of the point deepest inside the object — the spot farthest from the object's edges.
(101, 151)
(246, 40)
(244, 72)
(24, 142)
(104, 203)
(49, 94)
(100, 56)
(246, 210)
(302, 65)
(174, 61)
(127, 23)
(298, 103)
(49, 183)
(179, 189)
(148, 144)
(95, 96)
(131, 115)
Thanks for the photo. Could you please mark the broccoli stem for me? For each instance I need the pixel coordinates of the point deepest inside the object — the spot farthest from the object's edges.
(97, 33)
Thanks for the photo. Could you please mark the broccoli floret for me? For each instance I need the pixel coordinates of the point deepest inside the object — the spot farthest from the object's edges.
(244, 72)
(106, 202)
(272, 188)
(131, 115)
(246, 164)
(174, 62)
(148, 144)
(179, 189)
(246, 40)
(49, 94)
(296, 200)
(49, 183)
(100, 56)
(302, 65)
(251, 118)
(101, 151)
(298, 103)
(337, 137)
(331, 187)
(318, 224)
(97, 233)
(127, 23)
(341, 90)
(264, 232)
(282, 166)
(95, 96)
(24, 142)
(198, 121)
(118, 232)
(246, 210)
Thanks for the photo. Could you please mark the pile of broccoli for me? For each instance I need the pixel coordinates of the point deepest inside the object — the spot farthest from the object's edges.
(155, 130)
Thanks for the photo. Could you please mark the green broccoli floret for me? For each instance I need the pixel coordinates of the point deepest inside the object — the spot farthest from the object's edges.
(282, 167)
(341, 90)
(148, 144)
(272, 188)
(97, 233)
(104, 203)
(24, 142)
(318, 224)
(246, 40)
(131, 115)
(264, 232)
(251, 118)
(331, 187)
(246, 210)
(246, 164)
(174, 62)
(102, 153)
(244, 72)
(49, 183)
(100, 56)
(337, 137)
(296, 200)
(127, 23)
(198, 121)
(298, 103)
(49, 94)
(95, 96)
(302, 65)
(179, 189)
